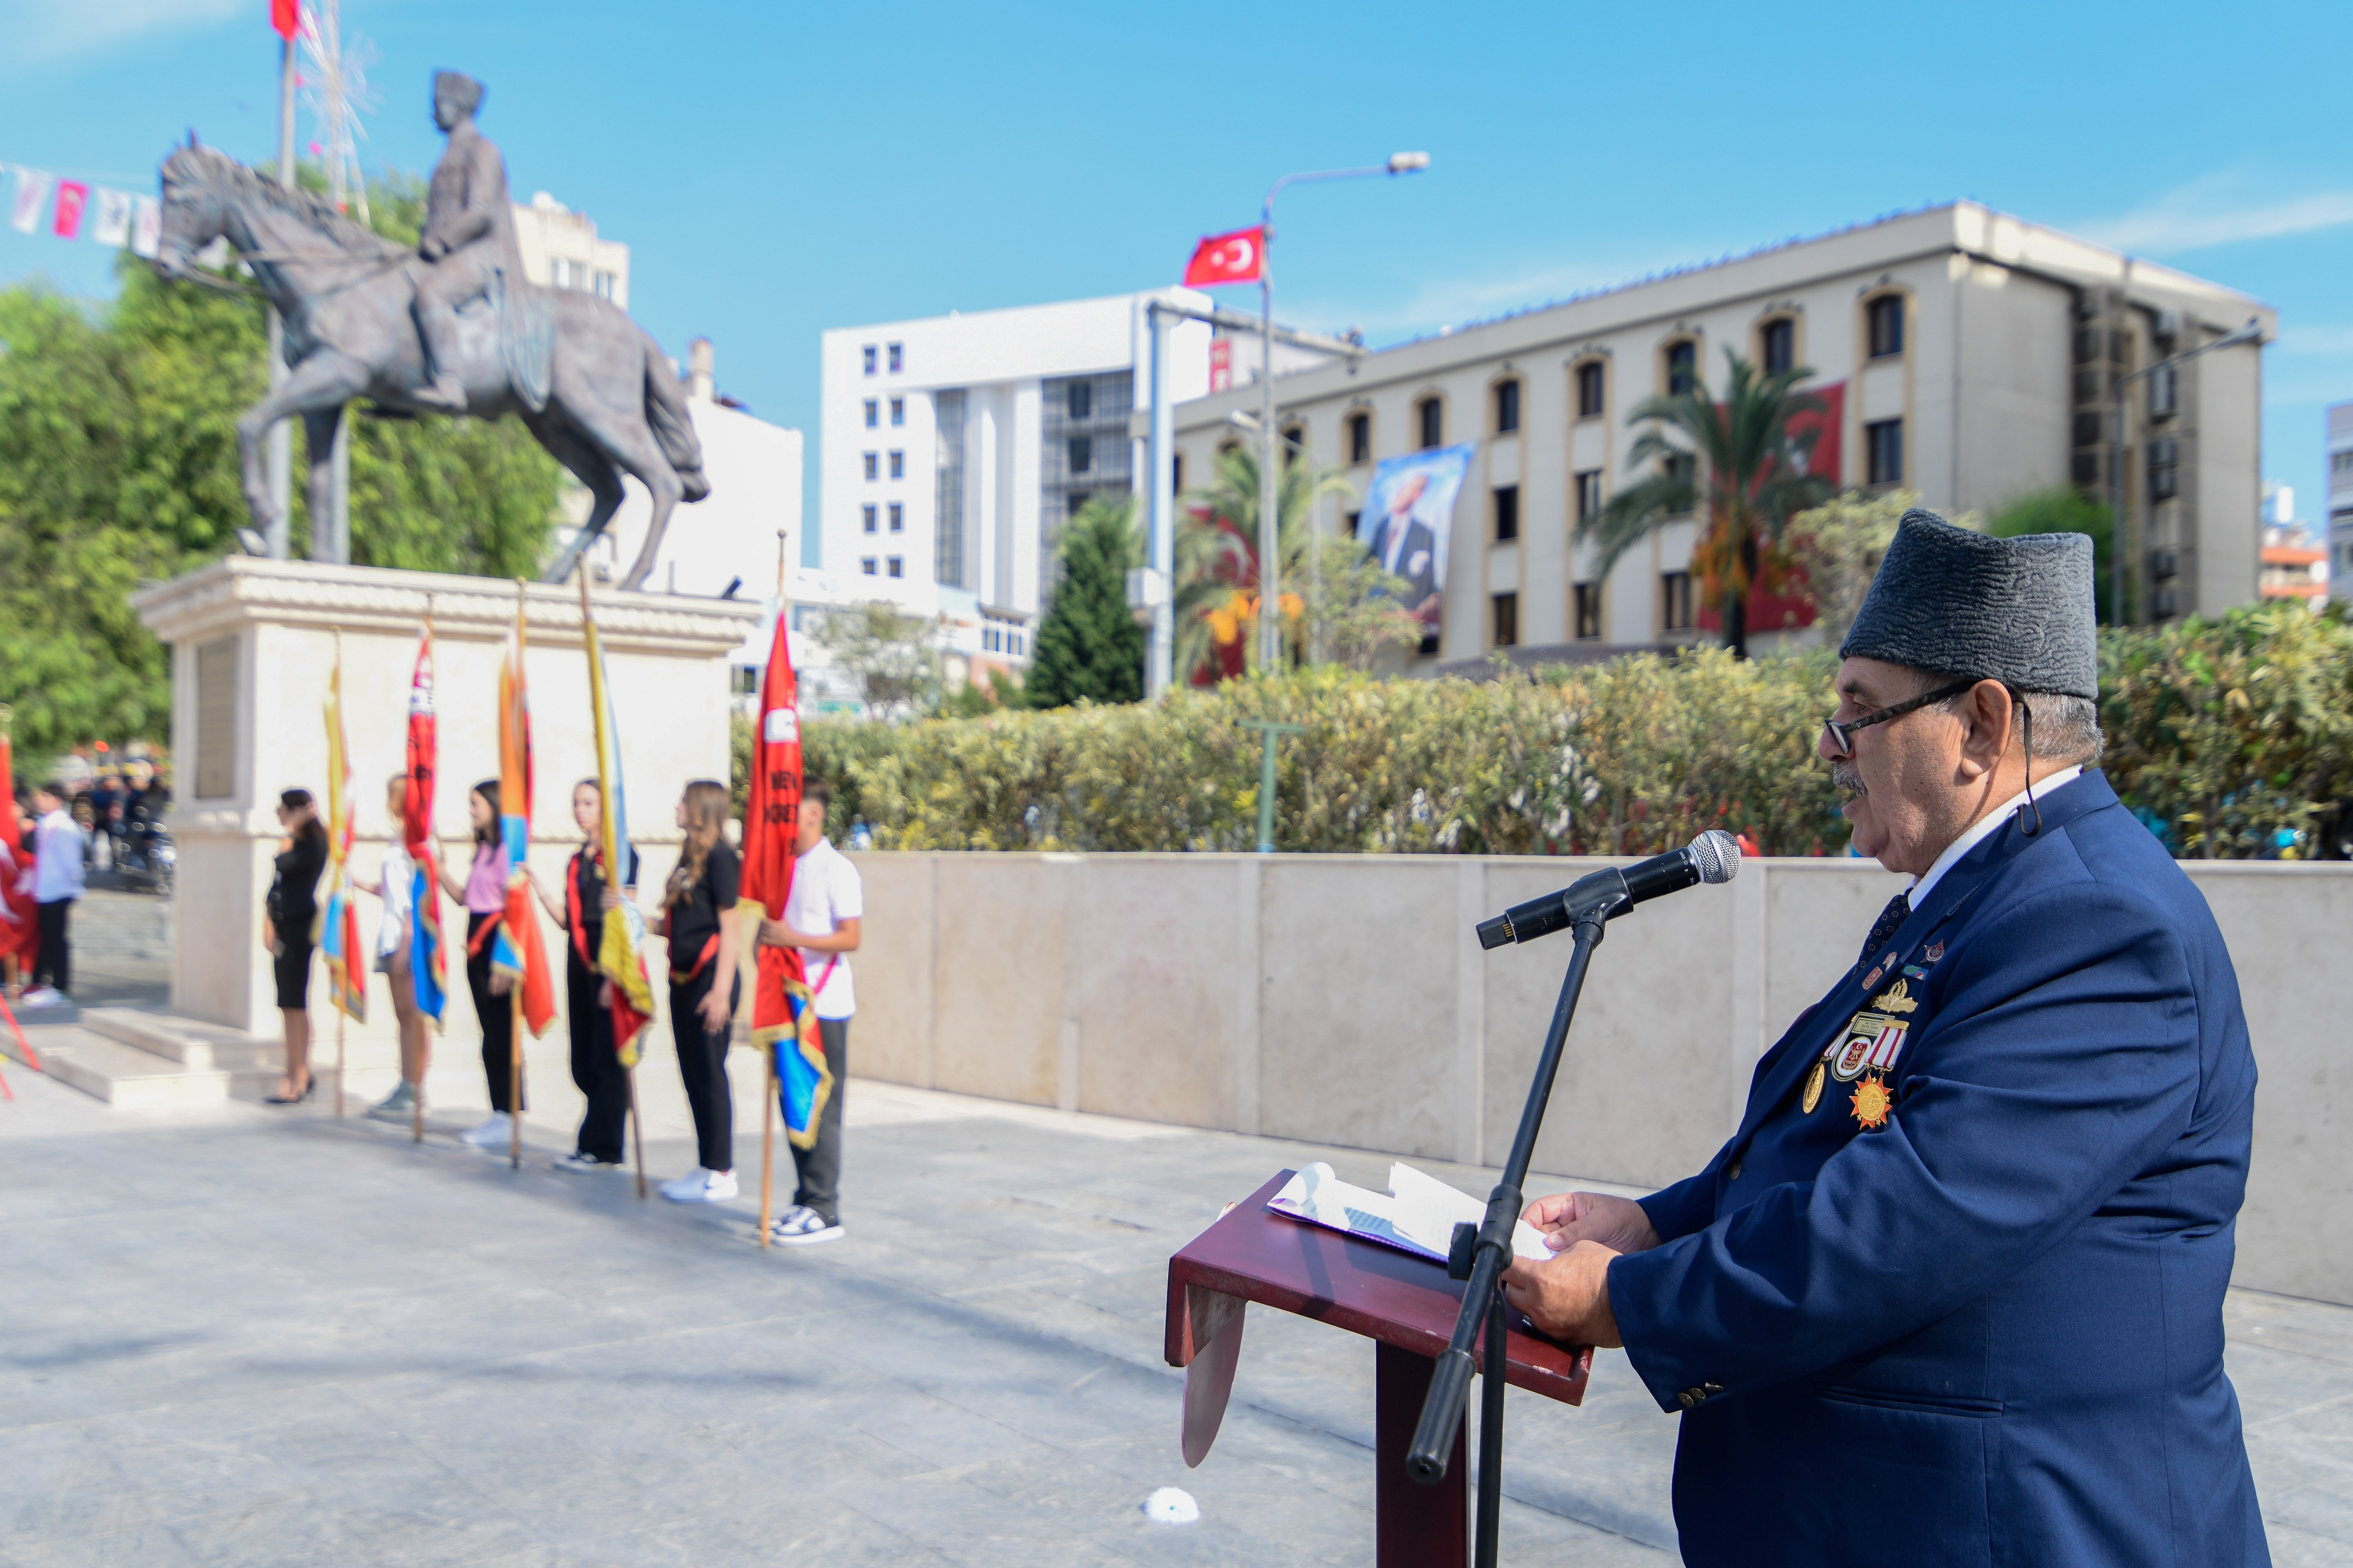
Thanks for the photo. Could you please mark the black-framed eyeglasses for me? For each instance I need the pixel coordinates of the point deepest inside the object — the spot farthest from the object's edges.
(1842, 730)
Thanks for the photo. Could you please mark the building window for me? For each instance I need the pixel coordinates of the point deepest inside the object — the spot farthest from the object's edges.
(898, 567)
(1360, 438)
(1081, 398)
(1507, 407)
(873, 414)
(1588, 389)
(1588, 493)
(1294, 443)
(1078, 502)
(866, 564)
(1432, 414)
(2164, 468)
(2340, 462)
(1779, 346)
(869, 359)
(1884, 440)
(1507, 620)
(1683, 367)
(866, 518)
(1507, 513)
(2164, 393)
(898, 518)
(1684, 468)
(898, 465)
(1886, 326)
(1082, 453)
(898, 360)
(1676, 596)
(873, 466)
(1588, 610)
(1176, 473)
(898, 411)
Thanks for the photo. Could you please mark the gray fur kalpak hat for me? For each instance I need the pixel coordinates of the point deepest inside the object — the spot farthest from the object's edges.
(1956, 602)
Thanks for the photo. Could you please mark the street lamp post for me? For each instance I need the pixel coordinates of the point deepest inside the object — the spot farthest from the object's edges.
(1269, 621)
(2253, 332)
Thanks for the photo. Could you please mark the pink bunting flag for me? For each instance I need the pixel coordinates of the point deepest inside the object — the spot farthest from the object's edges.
(73, 197)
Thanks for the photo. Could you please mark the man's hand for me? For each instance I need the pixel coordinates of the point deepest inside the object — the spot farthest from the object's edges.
(776, 933)
(1567, 1218)
(1568, 1296)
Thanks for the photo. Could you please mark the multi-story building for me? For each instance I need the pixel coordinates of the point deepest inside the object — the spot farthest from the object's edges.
(1963, 354)
(2340, 488)
(954, 449)
(560, 249)
(2294, 564)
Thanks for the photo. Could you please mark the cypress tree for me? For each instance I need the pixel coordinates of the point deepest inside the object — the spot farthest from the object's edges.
(1089, 646)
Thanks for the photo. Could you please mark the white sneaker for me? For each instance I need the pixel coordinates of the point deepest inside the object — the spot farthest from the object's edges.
(804, 1227)
(42, 997)
(701, 1186)
(496, 1131)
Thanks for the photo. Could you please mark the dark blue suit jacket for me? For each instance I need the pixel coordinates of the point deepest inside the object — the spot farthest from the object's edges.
(1989, 1330)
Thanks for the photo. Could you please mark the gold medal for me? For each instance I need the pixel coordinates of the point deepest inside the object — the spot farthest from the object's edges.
(1813, 1090)
(1871, 1103)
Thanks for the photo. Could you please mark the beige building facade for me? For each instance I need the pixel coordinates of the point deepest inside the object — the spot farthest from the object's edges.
(561, 250)
(1965, 353)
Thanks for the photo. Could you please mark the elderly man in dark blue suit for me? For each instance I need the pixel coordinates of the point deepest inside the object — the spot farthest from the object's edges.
(1953, 1292)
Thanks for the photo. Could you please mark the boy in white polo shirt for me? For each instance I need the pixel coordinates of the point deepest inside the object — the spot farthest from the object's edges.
(821, 919)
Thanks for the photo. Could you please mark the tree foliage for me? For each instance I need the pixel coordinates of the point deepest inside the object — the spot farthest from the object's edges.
(893, 656)
(1739, 463)
(1089, 647)
(1839, 546)
(1355, 607)
(2061, 509)
(1216, 588)
(119, 464)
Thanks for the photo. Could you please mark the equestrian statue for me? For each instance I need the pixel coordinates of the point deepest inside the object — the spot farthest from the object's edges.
(452, 327)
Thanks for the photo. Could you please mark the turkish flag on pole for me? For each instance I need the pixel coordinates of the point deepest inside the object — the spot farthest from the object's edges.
(286, 18)
(1236, 258)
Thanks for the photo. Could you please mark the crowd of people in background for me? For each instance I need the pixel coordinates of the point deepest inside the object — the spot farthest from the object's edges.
(70, 824)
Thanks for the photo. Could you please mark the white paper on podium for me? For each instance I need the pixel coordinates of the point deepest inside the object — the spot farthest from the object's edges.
(1417, 1214)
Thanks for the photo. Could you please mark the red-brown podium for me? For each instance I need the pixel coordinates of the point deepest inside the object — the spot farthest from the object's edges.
(1405, 1304)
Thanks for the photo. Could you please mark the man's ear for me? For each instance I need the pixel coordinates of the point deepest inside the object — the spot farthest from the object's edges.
(1986, 713)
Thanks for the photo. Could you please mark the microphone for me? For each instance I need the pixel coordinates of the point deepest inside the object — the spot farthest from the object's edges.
(1713, 857)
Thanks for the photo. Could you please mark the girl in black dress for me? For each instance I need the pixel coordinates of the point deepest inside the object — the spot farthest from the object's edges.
(588, 1018)
(698, 906)
(293, 911)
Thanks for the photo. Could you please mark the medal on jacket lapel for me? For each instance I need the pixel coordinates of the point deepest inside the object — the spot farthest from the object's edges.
(1813, 1095)
(1871, 1103)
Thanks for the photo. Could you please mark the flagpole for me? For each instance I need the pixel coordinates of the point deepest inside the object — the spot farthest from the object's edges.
(768, 1099)
(415, 924)
(514, 994)
(616, 876)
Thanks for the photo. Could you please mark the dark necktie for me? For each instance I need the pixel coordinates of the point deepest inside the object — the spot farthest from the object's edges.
(1892, 917)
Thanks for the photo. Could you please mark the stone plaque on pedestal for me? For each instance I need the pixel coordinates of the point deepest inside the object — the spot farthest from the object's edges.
(253, 643)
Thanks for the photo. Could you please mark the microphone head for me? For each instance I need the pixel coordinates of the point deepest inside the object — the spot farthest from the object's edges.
(1716, 856)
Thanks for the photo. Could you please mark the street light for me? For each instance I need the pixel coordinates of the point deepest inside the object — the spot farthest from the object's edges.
(1269, 534)
(2253, 332)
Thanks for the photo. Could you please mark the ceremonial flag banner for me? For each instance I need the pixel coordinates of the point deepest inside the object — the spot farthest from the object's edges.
(73, 197)
(338, 938)
(32, 191)
(146, 225)
(426, 958)
(1236, 258)
(113, 225)
(286, 18)
(20, 932)
(620, 956)
(784, 1013)
(517, 948)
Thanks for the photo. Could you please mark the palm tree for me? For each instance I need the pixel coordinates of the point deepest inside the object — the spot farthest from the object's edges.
(1754, 481)
(1217, 559)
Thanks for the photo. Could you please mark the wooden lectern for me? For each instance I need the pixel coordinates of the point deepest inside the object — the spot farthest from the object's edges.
(1405, 1304)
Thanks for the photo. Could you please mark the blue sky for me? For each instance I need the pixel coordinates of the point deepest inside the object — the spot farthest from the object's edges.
(778, 169)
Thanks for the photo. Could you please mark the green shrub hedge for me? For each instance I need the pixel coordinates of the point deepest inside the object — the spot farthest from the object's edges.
(2224, 735)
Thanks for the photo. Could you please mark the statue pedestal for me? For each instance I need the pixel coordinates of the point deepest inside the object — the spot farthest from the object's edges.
(253, 642)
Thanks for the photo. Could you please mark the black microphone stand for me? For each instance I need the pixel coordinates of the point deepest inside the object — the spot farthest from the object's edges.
(1481, 1256)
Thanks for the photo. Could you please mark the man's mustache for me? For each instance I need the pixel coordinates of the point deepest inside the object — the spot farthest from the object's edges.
(1847, 777)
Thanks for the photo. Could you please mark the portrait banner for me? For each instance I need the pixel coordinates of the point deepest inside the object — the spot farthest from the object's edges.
(1407, 525)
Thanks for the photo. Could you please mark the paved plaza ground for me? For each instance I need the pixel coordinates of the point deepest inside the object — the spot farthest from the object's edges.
(252, 1336)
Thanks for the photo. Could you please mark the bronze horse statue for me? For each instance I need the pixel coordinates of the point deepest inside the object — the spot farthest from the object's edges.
(594, 388)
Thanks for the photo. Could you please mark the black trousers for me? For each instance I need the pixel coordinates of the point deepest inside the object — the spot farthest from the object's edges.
(54, 966)
(596, 1068)
(702, 1063)
(496, 1014)
(820, 1165)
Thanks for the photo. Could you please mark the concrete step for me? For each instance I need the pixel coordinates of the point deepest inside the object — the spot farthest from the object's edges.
(191, 1044)
(124, 1076)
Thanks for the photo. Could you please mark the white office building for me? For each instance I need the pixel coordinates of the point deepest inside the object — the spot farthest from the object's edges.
(561, 250)
(954, 449)
(2340, 490)
(1963, 354)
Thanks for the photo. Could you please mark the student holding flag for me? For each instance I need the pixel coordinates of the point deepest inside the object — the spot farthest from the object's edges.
(396, 952)
(698, 907)
(822, 915)
(596, 1066)
(483, 892)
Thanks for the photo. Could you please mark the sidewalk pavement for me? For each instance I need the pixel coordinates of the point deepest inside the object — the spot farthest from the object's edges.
(252, 1336)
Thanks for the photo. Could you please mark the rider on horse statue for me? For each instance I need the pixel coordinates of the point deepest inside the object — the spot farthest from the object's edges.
(468, 241)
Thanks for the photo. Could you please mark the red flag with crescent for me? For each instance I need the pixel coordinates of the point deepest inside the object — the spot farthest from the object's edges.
(1236, 258)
